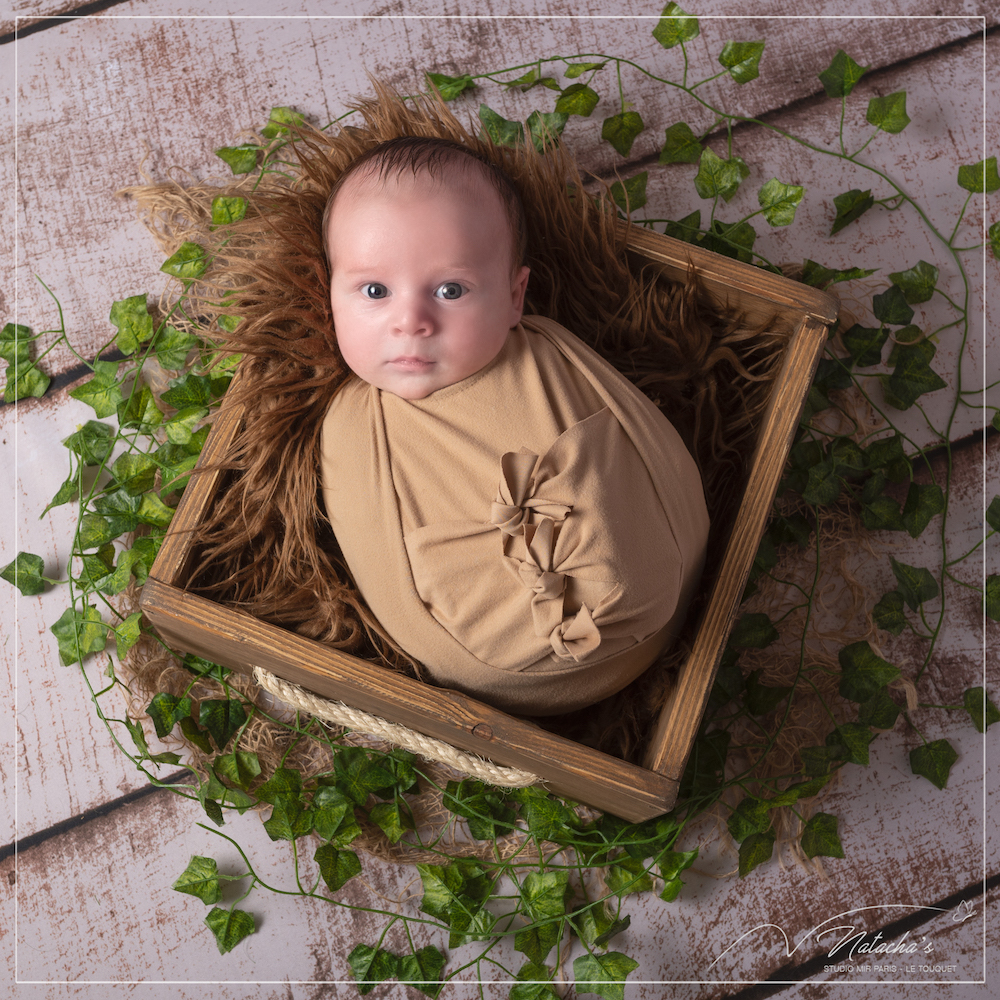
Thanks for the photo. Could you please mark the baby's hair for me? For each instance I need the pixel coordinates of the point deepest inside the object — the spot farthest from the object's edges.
(432, 155)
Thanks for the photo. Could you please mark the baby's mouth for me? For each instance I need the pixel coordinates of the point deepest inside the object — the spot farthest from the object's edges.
(411, 362)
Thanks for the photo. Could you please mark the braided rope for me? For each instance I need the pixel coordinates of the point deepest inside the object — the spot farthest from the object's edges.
(436, 750)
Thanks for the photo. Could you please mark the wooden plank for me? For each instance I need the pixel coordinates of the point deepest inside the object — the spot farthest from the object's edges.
(671, 741)
(86, 245)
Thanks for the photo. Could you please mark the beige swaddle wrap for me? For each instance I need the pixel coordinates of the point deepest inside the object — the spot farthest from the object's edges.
(532, 534)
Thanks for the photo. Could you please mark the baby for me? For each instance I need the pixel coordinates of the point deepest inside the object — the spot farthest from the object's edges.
(518, 516)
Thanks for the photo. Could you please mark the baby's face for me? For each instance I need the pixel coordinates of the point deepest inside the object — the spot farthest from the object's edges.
(421, 283)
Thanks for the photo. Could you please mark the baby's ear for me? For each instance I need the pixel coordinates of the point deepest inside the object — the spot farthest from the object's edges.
(517, 290)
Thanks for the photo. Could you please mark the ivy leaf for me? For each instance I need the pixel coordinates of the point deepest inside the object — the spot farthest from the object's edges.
(994, 237)
(981, 709)
(992, 596)
(15, 343)
(822, 277)
(284, 781)
(222, 717)
(879, 712)
(922, 504)
(730, 239)
(915, 584)
(358, 776)
(25, 383)
(532, 983)
(670, 864)
(742, 60)
(685, 229)
(993, 514)
(182, 425)
(336, 866)
(545, 127)
(753, 631)
(134, 473)
(681, 145)
(173, 346)
(917, 283)
(101, 392)
(841, 76)
(135, 325)
(454, 893)
(187, 391)
(574, 70)
(422, 970)
(933, 761)
(913, 375)
(166, 710)
(188, 262)
(755, 850)
(888, 454)
(92, 442)
(719, 178)
(604, 975)
(371, 966)
(620, 130)
(779, 201)
(577, 99)
(79, 634)
(289, 819)
(127, 634)
(820, 837)
(891, 306)
(240, 767)
(749, 817)
(201, 879)
(981, 177)
(279, 120)
(888, 613)
(227, 210)
(882, 514)
(630, 195)
(864, 673)
(330, 810)
(544, 894)
(763, 698)
(853, 738)
(530, 79)
(230, 927)
(501, 131)
(888, 113)
(121, 511)
(483, 807)
(25, 573)
(675, 27)
(140, 410)
(865, 343)
(449, 87)
(242, 159)
(391, 820)
(850, 205)
(197, 737)
(537, 940)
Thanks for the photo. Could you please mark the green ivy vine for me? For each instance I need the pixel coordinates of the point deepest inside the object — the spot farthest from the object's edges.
(565, 890)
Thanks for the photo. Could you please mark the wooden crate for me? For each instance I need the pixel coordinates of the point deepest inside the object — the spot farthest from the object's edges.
(239, 641)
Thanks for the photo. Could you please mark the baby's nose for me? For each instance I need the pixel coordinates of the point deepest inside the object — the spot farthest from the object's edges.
(413, 317)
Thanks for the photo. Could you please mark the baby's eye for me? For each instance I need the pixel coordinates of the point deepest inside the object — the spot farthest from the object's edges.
(374, 290)
(450, 290)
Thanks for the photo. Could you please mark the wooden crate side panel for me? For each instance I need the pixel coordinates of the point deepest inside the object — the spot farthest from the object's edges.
(731, 284)
(238, 641)
(675, 731)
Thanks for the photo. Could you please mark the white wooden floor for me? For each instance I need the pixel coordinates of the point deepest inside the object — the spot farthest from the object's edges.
(87, 906)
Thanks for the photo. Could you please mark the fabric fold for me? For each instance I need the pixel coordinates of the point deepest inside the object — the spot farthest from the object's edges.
(531, 535)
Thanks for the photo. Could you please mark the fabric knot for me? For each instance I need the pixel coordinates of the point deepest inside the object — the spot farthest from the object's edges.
(575, 638)
(515, 502)
(546, 585)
